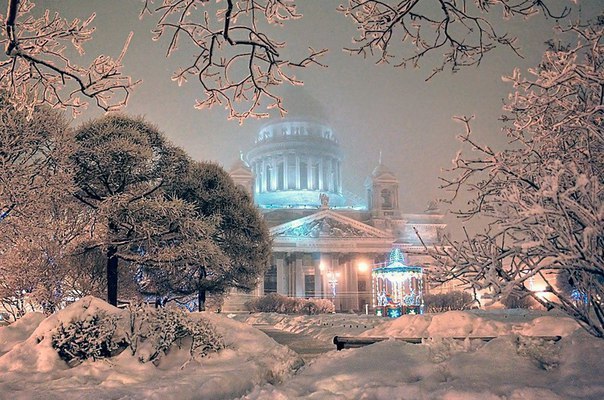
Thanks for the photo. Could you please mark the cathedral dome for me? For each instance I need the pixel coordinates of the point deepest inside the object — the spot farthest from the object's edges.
(294, 161)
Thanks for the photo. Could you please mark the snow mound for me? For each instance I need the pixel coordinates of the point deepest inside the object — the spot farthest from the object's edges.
(36, 354)
(19, 331)
(469, 324)
(509, 367)
(250, 359)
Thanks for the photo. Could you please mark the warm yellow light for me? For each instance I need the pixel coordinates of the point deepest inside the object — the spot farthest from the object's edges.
(363, 266)
(321, 267)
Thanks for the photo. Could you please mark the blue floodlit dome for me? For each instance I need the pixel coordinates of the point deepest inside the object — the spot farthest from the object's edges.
(294, 162)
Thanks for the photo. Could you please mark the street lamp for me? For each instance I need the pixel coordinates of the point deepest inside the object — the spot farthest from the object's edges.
(333, 282)
(363, 266)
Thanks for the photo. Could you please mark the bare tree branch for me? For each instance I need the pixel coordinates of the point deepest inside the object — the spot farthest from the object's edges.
(404, 31)
(236, 63)
(543, 196)
(38, 71)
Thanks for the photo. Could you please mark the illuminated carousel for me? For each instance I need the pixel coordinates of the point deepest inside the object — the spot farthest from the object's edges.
(397, 288)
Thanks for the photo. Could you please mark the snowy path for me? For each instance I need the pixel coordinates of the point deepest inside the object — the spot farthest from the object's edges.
(306, 346)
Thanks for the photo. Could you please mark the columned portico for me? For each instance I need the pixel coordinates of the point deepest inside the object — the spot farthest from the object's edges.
(321, 234)
(318, 256)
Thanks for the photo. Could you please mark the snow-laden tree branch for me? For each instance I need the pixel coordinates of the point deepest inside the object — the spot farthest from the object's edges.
(39, 68)
(237, 64)
(402, 32)
(544, 195)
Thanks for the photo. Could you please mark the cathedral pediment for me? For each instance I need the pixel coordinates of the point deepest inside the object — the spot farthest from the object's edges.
(327, 224)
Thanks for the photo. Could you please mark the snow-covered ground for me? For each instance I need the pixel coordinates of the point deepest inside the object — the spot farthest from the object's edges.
(255, 367)
(509, 367)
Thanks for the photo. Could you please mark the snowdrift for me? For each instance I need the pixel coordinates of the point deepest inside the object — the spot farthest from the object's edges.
(32, 369)
(510, 367)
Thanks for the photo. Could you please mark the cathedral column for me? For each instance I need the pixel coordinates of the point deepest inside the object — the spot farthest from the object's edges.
(339, 176)
(328, 170)
(335, 267)
(300, 292)
(285, 172)
(311, 175)
(318, 276)
(352, 285)
(325, 265)
(291, 267)
(273, 174)
(321, 173)
(282, 274)
(256, 176)
(263, 187)
(332, 174)
(297, 172)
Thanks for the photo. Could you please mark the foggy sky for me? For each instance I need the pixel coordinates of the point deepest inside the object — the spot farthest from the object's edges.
(370, 108)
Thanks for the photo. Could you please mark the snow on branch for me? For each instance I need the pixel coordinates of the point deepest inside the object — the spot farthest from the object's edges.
(39, 71)
(404, 31)
(237, 64)
(543, 195)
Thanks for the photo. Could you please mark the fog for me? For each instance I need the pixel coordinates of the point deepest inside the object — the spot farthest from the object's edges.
(371, 108)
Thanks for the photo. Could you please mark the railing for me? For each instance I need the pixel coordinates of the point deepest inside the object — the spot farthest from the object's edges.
(353, 342)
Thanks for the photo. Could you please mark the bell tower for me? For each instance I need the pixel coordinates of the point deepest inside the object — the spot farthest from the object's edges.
(382, 195)
(242, 175)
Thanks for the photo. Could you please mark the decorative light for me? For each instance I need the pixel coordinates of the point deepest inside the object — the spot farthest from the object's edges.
(363, 266)
(333, 282)
(398, 288)
(579, 297)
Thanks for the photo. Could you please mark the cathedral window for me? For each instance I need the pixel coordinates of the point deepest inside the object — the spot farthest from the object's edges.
(386, 199)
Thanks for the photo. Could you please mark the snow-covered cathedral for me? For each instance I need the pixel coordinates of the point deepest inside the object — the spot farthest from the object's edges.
(325, 239)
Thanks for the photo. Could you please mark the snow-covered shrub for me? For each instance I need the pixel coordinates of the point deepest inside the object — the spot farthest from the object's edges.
(441, 302)
(322, 306)
(441, 349)
(519, 301)
(274, 302)
(153, 331)
(92, 337)
(545, 354)
(148, 332)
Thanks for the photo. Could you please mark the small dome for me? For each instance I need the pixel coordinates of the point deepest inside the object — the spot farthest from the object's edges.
(381, 169)
(240, 164)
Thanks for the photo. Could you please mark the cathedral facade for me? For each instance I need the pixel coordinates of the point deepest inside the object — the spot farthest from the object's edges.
(326, 239)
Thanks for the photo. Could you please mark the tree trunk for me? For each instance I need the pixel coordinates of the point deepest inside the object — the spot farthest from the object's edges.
(201, 300)
(201, 293)
(112, 275)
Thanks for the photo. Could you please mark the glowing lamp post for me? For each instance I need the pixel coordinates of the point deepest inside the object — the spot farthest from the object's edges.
(332, 279)
(363, 266)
